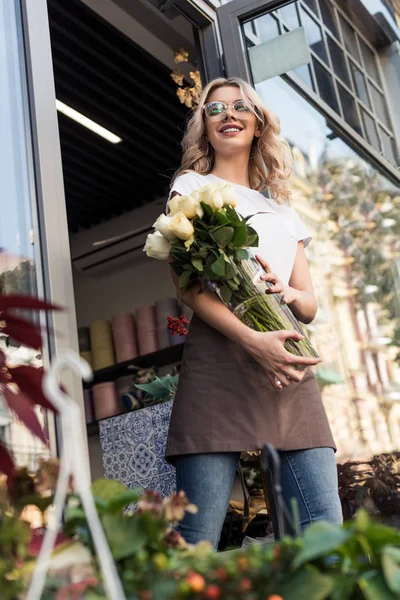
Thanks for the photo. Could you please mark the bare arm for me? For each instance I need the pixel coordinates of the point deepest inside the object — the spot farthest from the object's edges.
(299, 294)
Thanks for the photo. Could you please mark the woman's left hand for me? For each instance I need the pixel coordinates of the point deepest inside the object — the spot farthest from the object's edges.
(288, 294)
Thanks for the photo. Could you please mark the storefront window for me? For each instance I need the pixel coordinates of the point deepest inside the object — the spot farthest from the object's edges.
(17, 257)
(344, 67)
(353, 214)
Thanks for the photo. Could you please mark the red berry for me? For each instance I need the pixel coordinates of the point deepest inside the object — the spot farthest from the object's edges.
(245, 585)
(222, 574)
(212, 592)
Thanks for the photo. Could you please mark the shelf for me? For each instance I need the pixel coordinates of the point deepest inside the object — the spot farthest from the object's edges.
(161, 358)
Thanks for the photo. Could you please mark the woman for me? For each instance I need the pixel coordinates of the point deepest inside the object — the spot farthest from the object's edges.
(239, 388)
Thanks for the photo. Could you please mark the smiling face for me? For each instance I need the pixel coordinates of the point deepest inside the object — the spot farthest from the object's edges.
(234, 131)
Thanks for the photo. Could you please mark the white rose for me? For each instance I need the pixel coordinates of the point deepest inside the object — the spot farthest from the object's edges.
(181, 226)
(190, 205)
(228, 194)
(163, 225)
(173, 205)
(211, 195)
(157, 246)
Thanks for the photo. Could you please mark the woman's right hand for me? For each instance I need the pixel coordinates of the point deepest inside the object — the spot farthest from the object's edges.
(268, 349)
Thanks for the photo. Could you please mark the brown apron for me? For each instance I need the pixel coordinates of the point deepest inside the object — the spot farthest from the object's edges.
(225, 402)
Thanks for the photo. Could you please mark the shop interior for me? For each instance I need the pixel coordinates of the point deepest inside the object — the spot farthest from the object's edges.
(109, 67)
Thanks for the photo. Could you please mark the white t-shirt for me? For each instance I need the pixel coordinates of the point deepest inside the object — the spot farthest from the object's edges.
(278, 226)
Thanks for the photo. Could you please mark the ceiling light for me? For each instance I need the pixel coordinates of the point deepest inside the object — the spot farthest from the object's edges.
(86, 122)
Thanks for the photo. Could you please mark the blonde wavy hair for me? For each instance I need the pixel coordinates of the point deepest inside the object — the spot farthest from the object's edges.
(270, 163)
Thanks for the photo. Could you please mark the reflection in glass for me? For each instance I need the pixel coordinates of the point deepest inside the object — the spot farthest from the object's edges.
(369, 61)
(328, 16)
(266, 27)
(353, 214)
(349, 38)
(370, 128)
(304, 73)
(314, 35)
(360, 84)
(380, 106)
(290, 16)
(338, 61)
(349, 109)
(389, 147)
(311, 4)
(17, 264)
(325, 86)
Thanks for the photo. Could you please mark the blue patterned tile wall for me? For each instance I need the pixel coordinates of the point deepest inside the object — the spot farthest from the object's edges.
(133, 448)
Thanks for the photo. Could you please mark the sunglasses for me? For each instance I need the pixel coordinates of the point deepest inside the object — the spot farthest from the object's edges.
(217, 110)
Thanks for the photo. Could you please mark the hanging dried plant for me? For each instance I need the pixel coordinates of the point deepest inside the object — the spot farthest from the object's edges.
(177, 77)
(181, 55)
(188, 95)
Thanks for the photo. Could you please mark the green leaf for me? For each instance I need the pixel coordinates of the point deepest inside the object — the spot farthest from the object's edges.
(218, 267)
(160, 387)
(343, 587)
(223, 236)
(252, 237)
(230, 270)
(125, 535)
(391, 567)
(234, 286)
(208, 211)
(107, 489)
(307, 584)
(198, 264)
(184, 280)
(242, 254)
(124, 500)
(203, 252)
(226, 293)
(373, 587)
(240, 236)
(220, 218)
(320, 539)
(233, 216)
(379, 536)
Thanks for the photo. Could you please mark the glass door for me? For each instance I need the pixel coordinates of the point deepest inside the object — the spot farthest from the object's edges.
(34, 246)
(349, 200)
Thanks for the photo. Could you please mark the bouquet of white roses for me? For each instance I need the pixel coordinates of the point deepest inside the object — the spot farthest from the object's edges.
(206, 240)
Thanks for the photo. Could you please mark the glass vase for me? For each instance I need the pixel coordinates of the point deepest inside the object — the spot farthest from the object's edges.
(248, 298)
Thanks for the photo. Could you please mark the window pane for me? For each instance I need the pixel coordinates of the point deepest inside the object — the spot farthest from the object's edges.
(17, 267)
(353, 218)
(311, 4)
(328, 16)
(370, 129)
(369, 61)
(349, 37)
(305, 74)
(380, 106)
(289, 15)
(349, 109)
(325, 85)
(314, 35)
(338, 61)
(267, 28)
(360, 84)
(389, 147)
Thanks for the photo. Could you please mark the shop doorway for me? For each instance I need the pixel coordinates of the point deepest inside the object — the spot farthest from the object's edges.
(113, 69)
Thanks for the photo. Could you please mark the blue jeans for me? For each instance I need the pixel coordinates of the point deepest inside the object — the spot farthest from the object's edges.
(309, 476)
